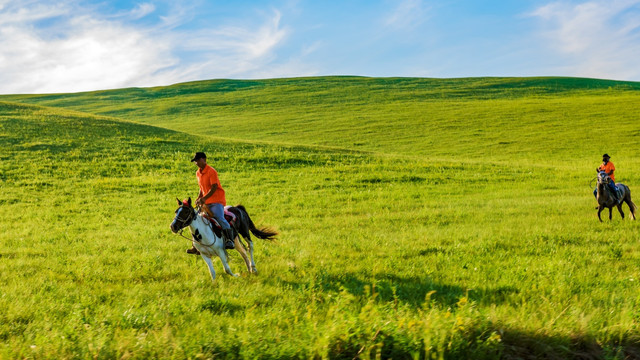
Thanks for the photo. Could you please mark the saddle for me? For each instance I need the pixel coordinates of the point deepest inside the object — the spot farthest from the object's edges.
(215, 226)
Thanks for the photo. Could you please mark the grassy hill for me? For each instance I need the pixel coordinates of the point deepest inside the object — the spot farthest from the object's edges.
(418, 217)
(480, 118)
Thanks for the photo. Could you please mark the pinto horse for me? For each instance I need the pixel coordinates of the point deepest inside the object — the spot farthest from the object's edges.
(208, 239)
(606, 200)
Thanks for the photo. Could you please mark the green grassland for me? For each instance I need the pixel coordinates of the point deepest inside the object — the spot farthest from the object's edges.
(419, 218)
(482, 118)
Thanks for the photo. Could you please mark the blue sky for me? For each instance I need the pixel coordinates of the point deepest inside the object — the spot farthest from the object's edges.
(79, 45)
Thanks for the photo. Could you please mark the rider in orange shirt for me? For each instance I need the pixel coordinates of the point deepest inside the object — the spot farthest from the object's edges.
(608, 167)
(212, 196)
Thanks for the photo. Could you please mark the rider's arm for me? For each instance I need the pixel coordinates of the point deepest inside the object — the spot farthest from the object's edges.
(214, 187)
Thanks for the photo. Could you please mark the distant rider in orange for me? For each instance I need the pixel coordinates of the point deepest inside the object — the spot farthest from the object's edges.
(212, 195)
(608, 167)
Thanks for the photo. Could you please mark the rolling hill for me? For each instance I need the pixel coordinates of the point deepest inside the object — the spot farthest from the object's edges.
(482, 118)
(418, 218)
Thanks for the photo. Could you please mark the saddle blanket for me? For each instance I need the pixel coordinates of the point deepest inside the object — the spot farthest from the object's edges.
(228, 215)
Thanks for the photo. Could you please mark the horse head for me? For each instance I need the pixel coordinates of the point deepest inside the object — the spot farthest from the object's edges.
(185, 214)
(603, 178)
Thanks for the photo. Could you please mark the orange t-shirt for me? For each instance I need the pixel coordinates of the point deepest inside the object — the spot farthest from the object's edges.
(608, 168)
(206, 178)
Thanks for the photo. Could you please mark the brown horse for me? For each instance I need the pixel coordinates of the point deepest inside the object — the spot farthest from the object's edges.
(606, 199)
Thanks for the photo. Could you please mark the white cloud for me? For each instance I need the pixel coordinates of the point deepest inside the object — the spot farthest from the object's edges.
(407, 14)
(249, 43)
(142, 10)
(89, 54)
(29, 11)
(597, 38)
(310, 49)
(231, 51)
(79, 49)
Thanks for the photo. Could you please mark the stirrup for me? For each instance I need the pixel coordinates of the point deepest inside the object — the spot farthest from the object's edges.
(227, 235)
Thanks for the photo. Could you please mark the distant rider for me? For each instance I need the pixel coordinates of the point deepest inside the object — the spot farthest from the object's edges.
(608, 167)
(212, 195)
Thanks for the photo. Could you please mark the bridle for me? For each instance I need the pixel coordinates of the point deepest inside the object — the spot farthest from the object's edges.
(603, 178)
(186, 222)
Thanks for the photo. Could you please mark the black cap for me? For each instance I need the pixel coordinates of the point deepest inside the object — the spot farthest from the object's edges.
(606, 156)
(199, 155)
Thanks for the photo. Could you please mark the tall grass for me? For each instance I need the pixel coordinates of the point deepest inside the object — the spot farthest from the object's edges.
(479, 249)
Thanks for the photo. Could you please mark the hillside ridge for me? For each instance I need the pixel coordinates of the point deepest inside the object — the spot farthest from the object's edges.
(6, 108)
(551, 82)
(479, 118)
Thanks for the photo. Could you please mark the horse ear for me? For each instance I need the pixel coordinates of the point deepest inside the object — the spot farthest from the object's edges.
(189, 200)
(179, 202)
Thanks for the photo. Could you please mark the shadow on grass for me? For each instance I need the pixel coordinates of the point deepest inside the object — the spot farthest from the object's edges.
(514, 343)
(517, 344)
(408, 290)
(218, 307)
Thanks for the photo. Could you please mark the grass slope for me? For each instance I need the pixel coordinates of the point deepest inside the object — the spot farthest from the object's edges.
(400, 256)
(481, 118)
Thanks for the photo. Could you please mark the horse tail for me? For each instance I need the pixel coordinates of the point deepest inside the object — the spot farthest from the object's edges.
(632, 205)
(263, 233)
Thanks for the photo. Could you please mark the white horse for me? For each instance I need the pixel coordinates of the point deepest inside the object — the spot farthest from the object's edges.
(210, 244)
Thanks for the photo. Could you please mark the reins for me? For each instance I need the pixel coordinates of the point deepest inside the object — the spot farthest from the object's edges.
(180, 234)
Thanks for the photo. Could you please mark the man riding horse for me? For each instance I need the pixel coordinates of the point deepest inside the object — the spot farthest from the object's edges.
(212, 196)
(608, 167)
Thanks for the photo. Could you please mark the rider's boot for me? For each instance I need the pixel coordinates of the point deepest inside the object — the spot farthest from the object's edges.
(228, 238)
(193, 251)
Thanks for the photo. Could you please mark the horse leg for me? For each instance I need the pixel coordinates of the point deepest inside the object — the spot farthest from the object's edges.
(243, 252)
(243, 229)
(620, 210)
(210, 265)
(600, 208)
(223, 257)
(253, 263)
(609, 214)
